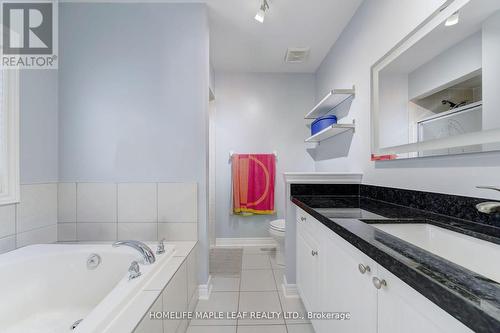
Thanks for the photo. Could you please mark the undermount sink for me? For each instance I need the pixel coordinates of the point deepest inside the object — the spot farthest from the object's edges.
(474, 254)
(347, 213)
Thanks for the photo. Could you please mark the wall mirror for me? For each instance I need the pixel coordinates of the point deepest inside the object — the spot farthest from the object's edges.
(438, 91)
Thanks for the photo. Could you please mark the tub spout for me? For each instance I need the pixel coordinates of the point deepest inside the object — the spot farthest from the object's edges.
(143, 249)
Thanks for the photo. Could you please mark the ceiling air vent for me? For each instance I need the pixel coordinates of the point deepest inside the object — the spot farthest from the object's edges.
(296, 55)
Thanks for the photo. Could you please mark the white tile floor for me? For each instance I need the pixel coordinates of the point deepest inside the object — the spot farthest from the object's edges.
(257, 288)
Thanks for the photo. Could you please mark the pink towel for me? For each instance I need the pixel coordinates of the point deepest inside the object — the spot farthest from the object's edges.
(253, 183)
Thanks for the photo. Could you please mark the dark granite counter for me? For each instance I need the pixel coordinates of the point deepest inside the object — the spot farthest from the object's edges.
(468, 296)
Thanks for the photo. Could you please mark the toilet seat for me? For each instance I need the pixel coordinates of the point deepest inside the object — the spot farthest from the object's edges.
(277, 225)
(277, 232)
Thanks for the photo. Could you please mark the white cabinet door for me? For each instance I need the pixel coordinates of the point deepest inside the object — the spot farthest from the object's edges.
(308, 269)
(403, 309)
(345, 289)
(306, 223)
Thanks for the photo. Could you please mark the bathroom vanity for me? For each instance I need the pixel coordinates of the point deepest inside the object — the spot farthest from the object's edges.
(394, 268)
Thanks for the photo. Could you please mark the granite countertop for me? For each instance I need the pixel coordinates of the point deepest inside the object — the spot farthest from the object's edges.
(468, 296)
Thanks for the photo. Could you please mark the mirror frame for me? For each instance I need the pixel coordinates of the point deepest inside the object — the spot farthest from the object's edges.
(388, 153)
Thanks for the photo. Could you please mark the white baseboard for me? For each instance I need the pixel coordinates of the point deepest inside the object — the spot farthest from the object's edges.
(204, 290)
(289, 289)
(237, 242)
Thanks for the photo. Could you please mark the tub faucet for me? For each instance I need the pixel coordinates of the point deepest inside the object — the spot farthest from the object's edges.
(144, 250)
(134, 271)
(161, 247)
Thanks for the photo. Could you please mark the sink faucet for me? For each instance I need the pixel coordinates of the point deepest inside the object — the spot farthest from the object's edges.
(143, 249)
(490, 207)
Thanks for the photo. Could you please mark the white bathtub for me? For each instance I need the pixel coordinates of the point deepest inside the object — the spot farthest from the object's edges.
(46, 288)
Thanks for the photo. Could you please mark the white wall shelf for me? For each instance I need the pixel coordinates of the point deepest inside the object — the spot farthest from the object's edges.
(331, 131)
(333, 99)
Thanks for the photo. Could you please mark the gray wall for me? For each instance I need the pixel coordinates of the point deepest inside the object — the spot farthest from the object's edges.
(374, 29)
(133, 96)
(491, 69)
(131, 99)
(459, 60)
(34, 219)
(38, 126)
(259, 113)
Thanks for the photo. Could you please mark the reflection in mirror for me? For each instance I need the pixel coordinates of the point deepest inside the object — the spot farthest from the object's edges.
(440, 95)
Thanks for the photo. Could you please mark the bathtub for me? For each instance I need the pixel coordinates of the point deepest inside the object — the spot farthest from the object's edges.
(46, 288)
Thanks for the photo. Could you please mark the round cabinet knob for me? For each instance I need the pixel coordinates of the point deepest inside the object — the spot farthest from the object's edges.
(363, 269)
(379, 283)
(302, 218)
(314, 253)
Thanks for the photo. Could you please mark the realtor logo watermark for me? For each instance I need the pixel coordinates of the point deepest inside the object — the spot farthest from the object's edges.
(29, 36)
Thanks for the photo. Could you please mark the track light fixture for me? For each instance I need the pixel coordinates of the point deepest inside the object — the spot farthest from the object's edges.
(261, 13)
(453, 19)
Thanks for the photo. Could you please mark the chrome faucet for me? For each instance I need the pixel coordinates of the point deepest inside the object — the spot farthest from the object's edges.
(134, 271)
(161, 247)
(489, 207)
(144, 250)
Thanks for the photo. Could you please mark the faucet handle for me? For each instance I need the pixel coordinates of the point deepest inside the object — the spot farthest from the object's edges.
(134, 270)
(489, 188)
(161, 247)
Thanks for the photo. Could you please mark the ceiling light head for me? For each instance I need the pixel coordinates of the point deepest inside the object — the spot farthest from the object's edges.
(453, 19)
(259, 17)
(261, 13)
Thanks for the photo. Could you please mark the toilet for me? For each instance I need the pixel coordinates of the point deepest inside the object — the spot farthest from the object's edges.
(277, 231)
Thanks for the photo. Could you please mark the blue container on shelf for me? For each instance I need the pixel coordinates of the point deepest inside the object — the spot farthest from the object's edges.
(322, 122)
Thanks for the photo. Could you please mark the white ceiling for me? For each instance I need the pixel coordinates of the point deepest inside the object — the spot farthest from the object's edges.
(239, 43)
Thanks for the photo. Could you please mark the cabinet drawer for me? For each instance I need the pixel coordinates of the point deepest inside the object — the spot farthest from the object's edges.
(306, 223)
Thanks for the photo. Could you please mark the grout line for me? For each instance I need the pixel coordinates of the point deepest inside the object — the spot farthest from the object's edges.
(76, 211)
(278, 294)
(16, 207)
(57, 212)
(261, 324)
(214, 326)
(275, 283)
(157, 213)
(275, 292)
(116, 210)
(239, 290)
(36, 228)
